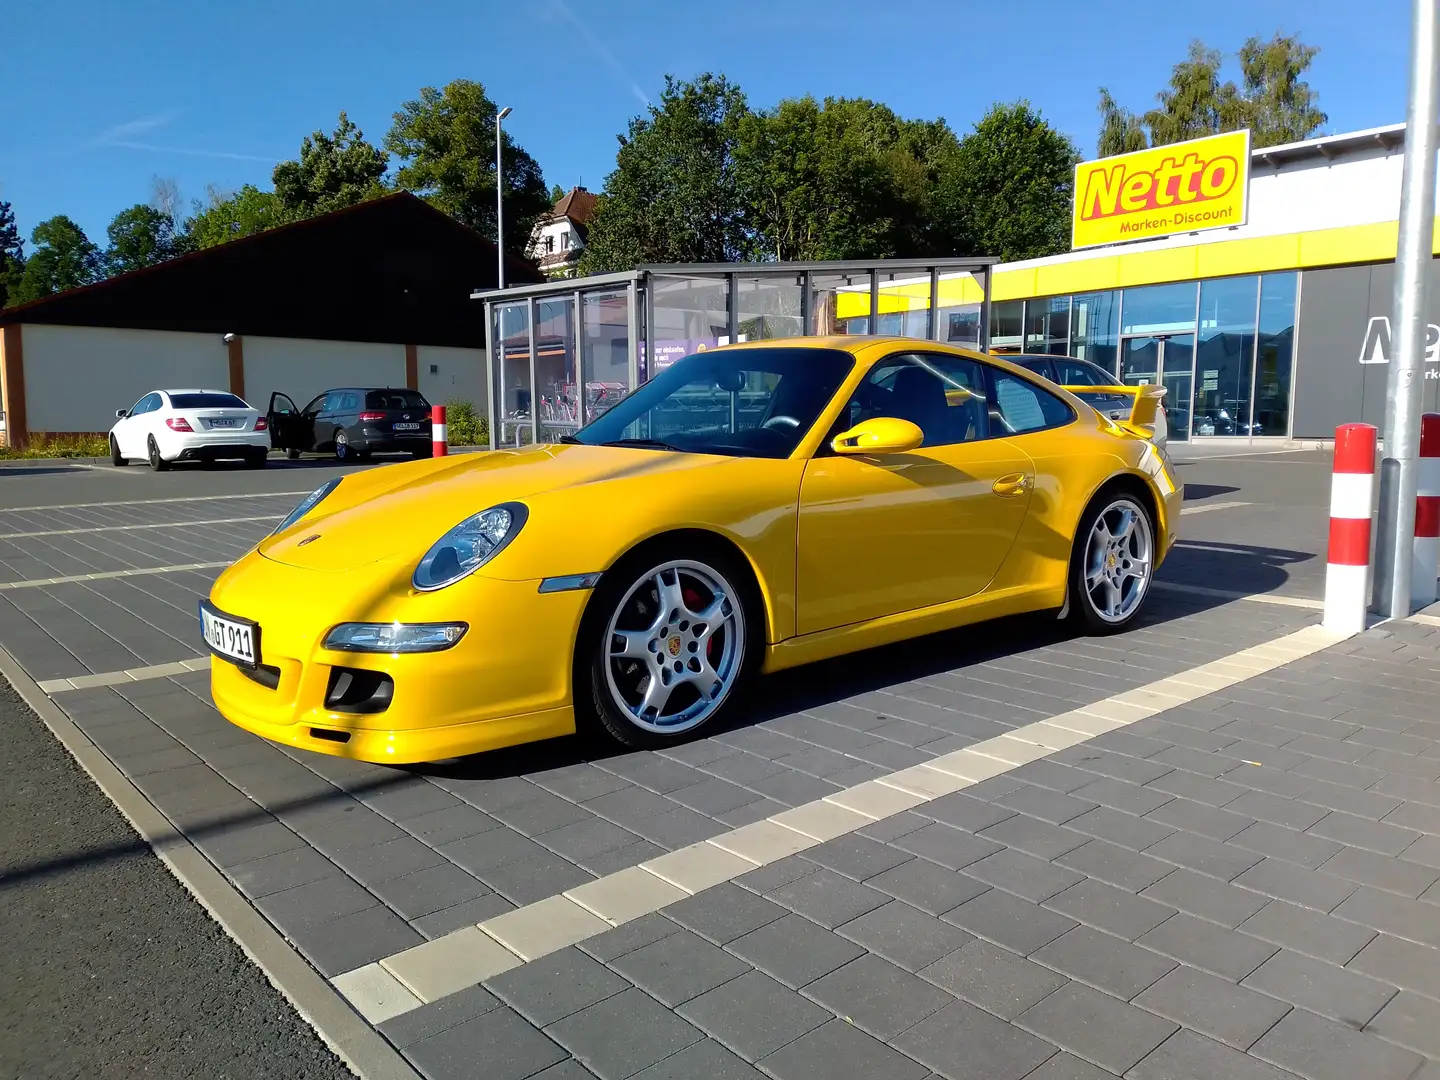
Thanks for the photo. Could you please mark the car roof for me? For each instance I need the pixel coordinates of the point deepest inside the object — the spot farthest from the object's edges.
(194, 390)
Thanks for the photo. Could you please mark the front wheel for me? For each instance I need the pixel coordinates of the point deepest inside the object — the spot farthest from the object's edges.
(1111, 574)
(672, 642)
(158, 463)
(343, 453)
(117, 459)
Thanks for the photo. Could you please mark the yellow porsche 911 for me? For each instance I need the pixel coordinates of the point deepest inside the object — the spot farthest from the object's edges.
(750, 508)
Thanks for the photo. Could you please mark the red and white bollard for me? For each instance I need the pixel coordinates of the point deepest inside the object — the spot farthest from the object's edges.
(1352, 493)
(439, 437)
(1426, 565)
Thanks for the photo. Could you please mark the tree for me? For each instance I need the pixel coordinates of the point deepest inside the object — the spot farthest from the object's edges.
(556, 194)
(333, 172)
(140, 236)
(1011, 183)
(445, 142)
(675, 195)
(12, 252)
(1279, 106)
(1196, 102)
(1121, 131)
(229, 217)
(63, 258)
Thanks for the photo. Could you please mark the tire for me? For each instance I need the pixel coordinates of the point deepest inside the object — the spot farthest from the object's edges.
(429, 451)
(256, 461)
(343, 453)
(116, 458)
(1113, 565)
(158, 463)
(292, 455)
(612, 688)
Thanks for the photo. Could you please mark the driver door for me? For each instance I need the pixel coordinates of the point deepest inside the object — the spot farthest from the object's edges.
(283, 417)
(886, 534)
(130, 432)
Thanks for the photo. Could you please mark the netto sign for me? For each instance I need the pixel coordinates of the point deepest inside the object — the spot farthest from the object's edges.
(1182, 188)
(1377, 349)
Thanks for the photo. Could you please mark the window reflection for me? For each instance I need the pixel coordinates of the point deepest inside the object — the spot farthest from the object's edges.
(1095, 328)
(1274, 351)
(1224, 363)
(1007, 324)
(1047, 326)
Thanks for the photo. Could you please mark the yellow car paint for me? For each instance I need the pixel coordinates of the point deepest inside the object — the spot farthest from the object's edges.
(848, 551)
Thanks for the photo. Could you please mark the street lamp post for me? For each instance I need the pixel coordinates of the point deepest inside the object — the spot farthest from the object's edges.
(500, 201)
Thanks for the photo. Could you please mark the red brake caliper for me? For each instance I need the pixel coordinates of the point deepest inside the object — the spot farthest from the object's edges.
(692, 601)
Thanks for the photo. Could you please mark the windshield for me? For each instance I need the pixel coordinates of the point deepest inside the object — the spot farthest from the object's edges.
(741, 402)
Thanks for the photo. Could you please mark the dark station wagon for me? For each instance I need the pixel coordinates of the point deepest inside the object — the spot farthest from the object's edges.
(352, 423)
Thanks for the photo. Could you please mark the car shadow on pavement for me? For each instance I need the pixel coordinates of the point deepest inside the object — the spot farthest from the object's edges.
(1199, 492)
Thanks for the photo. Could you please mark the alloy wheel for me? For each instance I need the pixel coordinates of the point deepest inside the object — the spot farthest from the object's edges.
(342, 445)
(1119, 561)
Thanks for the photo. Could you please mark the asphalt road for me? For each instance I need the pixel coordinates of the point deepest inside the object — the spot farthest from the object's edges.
(109, 968)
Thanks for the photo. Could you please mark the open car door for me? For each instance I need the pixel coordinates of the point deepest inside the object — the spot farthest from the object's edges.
(284, 420)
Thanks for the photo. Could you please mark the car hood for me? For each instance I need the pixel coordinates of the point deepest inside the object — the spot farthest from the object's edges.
(401, 510)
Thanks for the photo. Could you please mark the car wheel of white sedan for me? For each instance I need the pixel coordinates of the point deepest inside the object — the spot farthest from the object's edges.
(673, 642)
(1111, 576)
(158, 463)
(117, 459)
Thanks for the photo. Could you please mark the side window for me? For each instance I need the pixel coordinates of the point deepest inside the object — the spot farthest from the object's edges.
(1042, 368)
(1022, 407)
(944, 396)
(152, 402)
(1074, 373)
(350, 403)
(139, 406)
(316, 406)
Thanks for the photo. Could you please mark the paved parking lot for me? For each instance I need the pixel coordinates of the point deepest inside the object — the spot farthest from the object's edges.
(1208, 847)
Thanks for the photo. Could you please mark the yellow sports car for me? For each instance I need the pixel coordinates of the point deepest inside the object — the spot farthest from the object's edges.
(750, 508)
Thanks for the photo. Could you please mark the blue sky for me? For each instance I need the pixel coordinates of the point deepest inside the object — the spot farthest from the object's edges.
(101, 96)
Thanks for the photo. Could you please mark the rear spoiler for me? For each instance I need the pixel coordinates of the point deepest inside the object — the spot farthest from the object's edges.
(1145, 404)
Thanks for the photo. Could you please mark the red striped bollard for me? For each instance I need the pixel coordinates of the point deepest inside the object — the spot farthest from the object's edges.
(439, 437)
(1426, 565)
(1352, 493)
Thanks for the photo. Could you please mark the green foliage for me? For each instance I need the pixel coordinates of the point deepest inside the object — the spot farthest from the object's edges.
(1280, 106)
(63, 258)
(556, 194)
(463, 427)
(12, 252)
(40, 445)
(445, 142)
(333, 171)
(675, 193)
(141, 236)
(1121, 131)
(229, 217)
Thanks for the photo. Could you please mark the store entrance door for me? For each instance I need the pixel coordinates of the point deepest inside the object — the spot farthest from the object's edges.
(1166, 360)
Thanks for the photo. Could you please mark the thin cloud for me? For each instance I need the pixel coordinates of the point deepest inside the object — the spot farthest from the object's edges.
(190, 152)
(120, 133)
(600, 49)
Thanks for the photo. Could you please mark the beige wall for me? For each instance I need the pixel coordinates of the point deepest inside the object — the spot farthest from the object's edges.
(77, 376)
(460, 376)
(303, 368)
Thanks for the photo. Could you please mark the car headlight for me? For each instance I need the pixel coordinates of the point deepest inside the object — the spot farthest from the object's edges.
(469, 546)
(394, 637)
(307, 504)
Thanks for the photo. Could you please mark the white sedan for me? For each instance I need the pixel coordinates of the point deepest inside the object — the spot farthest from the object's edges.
(189, 425)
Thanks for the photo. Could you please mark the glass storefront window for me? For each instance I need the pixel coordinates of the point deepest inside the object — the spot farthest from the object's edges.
(1095, 328)
(957, 304)
(1007, 324)
(690, 314)
(1159, 309)
(904, 303)
(1275, 347)
(558, 393)
(768, 306)
(1225, 356)
(1047, 326)
(840, 303)
(512, 374)
(604, 351)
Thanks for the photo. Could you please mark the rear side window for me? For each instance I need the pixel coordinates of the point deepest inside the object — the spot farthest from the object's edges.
(1077, 373)
(1039, 367)
(395, 399)
(350, 403)
(1022, 407)
(207, 401)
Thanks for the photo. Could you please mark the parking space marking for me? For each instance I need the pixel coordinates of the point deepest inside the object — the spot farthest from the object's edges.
(129, 675)
(148, 502)
(470, 957)
(130, 528)
(1206, 507)
(105, 575)
(1229, 594)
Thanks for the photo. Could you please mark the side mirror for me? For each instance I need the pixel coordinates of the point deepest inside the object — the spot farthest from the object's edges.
(121, 414)
(882, 435)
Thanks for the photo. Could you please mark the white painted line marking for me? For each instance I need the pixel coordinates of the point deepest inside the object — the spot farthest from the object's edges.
(1426, 620)
(1227, 594)
(640, 890)
(1204, 507)
(129, 675)
(131, 528)
(107, 575)
(146, 502)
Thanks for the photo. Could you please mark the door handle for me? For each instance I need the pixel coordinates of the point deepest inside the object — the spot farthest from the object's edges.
(1011, 485)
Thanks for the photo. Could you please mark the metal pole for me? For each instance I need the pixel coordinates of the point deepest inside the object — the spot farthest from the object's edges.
(1404, 387)
(500, 205)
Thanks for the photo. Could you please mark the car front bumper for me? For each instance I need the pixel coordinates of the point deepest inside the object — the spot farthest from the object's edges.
(507, 681)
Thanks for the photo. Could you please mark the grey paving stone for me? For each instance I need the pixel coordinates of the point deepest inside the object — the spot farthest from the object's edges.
(510, 1048)
(1204, 945)
(1113, 910)
(1320, 1049)
(964, 1043)
(857, 857)
(623, 1034)
(827, 898)
(754, 1015)
(1310, 932)
(1213, 1006)
(1326, 989)
(705, 1058)
(660, 774)
(393, 859)
(1187, 1056)
(928, 886)
(1035, 837)
(839, 1051)
(1104, 961)
(621, 858)
(1219, 901)
(1197, 817)
(580, 782)
(583, 839)
(1204, 789)
(469, 913)
(904, 935)
(627, 937)
(556, 986)
(744, 768)
(1263, 806)
(1425, 850)
(430, 890)
(678, 828)
(241, 844)
(951, 847)
(449, 1011)
(1068, 1067)
(353, 940)
(1412, 1021)
(793, 788)
(1052, 806)
(1049, 774)
(1418, 816)
(723, 913)
(536, 877)
(880, 997)
(773, 875)
(1121, 795)
(965, 812)
(751, 812)
(679, 967)
(1381, 871)
(1286, 881)
(713, 796)
(315, 903)
(996, 980)
(1400, 963)
(1120, 828)
(896, 825)
(1026, 876)
(1398, 915)
(1019, 925)
(569, 1069)
(1204, 855)
(1096, 1027)
(794, 950)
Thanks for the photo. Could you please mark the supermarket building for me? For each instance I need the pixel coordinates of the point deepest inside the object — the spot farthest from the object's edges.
(1276, 326)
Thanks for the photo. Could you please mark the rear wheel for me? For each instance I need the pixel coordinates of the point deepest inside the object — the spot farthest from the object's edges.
(117, 459)
(158, 463)
(674, 636)
(292, 455)
(1111, 574)
(256, 460)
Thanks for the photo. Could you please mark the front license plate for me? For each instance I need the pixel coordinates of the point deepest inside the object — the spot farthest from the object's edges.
(407, 427)
(234, 639)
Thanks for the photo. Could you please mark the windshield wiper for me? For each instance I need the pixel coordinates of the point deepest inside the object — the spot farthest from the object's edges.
(645, 444)
(570, 439)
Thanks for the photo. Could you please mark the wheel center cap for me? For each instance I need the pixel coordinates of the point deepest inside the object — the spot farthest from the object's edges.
(1110, 561)
(673, 645)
